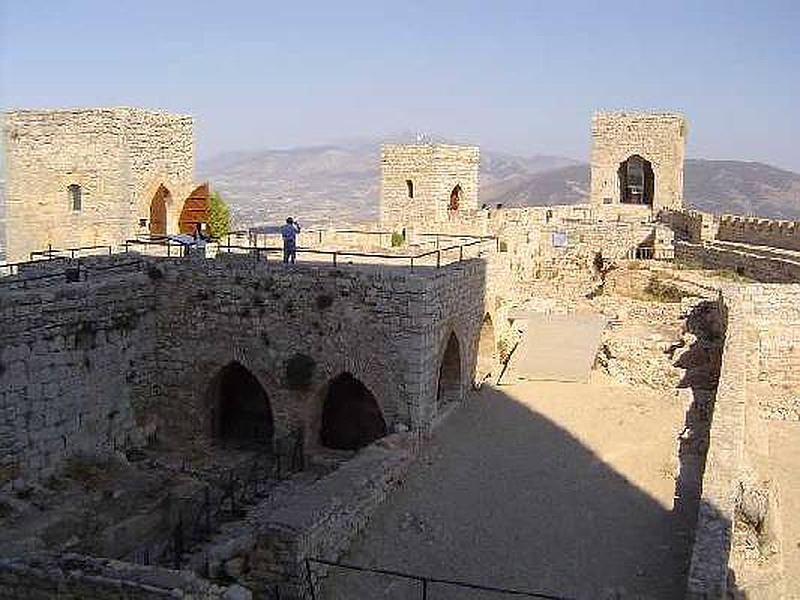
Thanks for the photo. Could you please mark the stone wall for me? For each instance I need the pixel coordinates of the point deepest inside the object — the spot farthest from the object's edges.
(658, 138)
(76, 577)
(760, 264)
(762, 232)
(690, 225)
(323, 519)
(762, 343)
(434, 170)
(118, 157)
(73, 356)
(97, 364)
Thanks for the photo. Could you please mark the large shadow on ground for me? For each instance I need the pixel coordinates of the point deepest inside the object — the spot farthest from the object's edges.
(506, 497)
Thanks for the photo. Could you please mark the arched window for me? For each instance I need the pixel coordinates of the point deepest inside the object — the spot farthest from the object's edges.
(455, 198)
(74, 195)
(410, 188)
(636, 181)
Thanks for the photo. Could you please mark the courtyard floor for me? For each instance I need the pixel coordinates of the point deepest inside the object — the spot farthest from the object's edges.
(563, 488)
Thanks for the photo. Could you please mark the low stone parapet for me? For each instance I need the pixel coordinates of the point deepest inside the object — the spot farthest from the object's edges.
(77, 577)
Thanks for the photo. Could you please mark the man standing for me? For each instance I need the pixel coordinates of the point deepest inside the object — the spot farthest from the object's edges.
(289, 233)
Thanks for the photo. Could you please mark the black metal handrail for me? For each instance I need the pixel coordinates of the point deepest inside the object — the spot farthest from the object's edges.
(423, 580)
(58, 252)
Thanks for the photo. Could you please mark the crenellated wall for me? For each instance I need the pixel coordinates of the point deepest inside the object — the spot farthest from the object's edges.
(761, 232)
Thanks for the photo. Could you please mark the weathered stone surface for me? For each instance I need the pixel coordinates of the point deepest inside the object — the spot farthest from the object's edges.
(118, 156)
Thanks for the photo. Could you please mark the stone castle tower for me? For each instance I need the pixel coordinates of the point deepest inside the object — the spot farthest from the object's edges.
(425, 183)
(94, 176)
(637, 159)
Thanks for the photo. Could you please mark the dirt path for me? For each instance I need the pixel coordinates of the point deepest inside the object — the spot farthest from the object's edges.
(559, 487)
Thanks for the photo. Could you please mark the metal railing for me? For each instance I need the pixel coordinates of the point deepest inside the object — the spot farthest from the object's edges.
(71, 253)
(425, 582)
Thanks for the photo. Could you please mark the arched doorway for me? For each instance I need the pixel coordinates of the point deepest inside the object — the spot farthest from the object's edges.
(636, 181)
(351, 417)
(450, 388)
(487, 350)
(455, 198)
(158, 211)
(240, 409)
(194, 211)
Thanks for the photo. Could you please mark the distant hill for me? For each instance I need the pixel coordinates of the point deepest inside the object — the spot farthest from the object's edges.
(716, 186)
(329, 184)
(340, 183)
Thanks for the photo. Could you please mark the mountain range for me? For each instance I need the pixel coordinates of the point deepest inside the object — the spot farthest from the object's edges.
(341, 184)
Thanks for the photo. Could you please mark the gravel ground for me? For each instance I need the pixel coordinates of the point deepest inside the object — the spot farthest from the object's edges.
(565, 488)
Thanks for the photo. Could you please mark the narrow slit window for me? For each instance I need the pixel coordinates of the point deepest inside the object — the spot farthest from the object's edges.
(74, 194)
(410, 188)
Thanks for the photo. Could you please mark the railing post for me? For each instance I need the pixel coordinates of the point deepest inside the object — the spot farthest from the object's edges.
(334, 259)
(424, 589)
(460, 253)
(438, 258)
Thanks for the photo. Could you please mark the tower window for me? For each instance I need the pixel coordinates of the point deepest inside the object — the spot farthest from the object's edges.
(74, 194)
(410, 188)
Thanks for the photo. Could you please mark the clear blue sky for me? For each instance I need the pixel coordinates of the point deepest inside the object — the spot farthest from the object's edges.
(517, 76)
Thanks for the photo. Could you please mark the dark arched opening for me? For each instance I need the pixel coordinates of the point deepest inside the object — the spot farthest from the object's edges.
(158, 211)
(487, 350)
(240, 409)
(450, 388)
(351, 417)
(636, 181)
(455, 198)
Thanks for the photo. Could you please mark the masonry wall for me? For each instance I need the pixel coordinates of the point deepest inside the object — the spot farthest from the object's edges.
(762, 343)
(73, 356)
(763, 265)
(658, 138)
(99, 364)
(434, 170)
(763, 232)
(118, 157)
(76, 577)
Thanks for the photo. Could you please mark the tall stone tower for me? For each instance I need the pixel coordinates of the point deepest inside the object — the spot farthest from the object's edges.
(637, 159)
(93, 176)
(422, 184)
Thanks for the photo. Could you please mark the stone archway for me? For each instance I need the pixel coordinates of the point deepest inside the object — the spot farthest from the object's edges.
(487, 350)
(636, 181)
(240, 411)
(450, 388)
(158, 211)
(194, 211)
(351, 417)
(455, 198)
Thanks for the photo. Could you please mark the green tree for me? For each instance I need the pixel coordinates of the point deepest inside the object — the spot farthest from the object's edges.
(219, 217)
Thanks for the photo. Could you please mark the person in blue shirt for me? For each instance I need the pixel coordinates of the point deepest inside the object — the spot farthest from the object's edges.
(289, 233)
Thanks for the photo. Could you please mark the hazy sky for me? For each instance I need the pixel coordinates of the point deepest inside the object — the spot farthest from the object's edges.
(517, 76)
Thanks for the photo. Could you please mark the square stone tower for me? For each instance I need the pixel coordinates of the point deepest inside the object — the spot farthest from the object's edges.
(637, 159)
(421, 184)
(93, 176)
